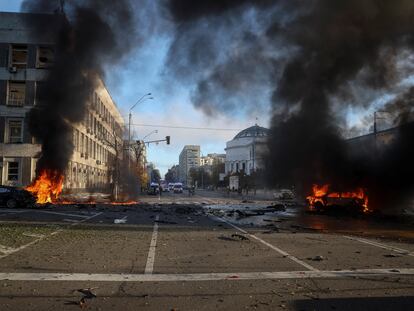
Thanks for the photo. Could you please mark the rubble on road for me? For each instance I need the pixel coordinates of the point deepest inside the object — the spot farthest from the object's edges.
(240, 237)
(316, 258)
(272, 229)
(234, 238)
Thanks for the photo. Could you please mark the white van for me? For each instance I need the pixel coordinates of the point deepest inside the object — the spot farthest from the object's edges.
(178, 187)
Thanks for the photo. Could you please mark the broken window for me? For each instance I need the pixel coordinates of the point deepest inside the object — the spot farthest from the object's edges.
(18, 56)
(16, 94)
(13, 171)
(45, 57)
(82, 149)
(15, 131)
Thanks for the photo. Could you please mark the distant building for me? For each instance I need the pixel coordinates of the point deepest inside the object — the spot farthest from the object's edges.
(189, 158)
(25, 62)
(173, 174)
(246, 150)
(212, 158)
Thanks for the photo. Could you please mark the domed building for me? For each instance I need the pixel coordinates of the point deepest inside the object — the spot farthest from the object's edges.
(245, 151)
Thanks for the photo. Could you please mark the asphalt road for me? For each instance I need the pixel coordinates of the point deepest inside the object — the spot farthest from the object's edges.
(176, 252)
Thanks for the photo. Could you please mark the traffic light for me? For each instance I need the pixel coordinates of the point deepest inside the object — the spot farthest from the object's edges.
(167, 139)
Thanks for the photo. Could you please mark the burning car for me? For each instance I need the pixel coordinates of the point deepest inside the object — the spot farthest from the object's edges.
(323, 199)
(13, 197)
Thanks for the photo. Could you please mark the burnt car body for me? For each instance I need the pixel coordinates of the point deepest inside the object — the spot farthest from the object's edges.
(13, 197)
(338, 204)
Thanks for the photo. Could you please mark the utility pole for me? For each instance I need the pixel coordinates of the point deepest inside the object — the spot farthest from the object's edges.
(142, 98)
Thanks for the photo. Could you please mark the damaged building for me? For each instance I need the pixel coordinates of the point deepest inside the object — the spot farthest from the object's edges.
(24, 64)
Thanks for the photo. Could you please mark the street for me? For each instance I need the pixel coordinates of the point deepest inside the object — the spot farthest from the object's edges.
(177, 252)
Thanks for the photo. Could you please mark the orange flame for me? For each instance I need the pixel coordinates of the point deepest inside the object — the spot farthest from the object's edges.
(322, 192)
(47, 186)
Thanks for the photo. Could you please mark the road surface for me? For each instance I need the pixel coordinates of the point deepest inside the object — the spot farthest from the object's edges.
(203, 252)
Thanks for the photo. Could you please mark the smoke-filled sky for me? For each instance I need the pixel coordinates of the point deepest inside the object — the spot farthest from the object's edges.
(142, 72)
(212, 65)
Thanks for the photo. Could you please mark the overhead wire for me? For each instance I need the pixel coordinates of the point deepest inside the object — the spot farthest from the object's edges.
(186, 127)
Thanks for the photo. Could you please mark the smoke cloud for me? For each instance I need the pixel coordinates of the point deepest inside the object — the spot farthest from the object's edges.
(312, 53)
(89, 35)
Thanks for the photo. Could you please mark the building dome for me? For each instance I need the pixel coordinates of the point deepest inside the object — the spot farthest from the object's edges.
(253, 131)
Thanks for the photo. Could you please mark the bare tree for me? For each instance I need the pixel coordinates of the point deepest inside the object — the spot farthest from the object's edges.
(114, 162)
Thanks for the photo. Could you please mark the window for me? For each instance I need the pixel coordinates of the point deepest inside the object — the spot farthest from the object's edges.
(16, 94)
(13, 171)
(45, 57)
(86, 145)
(76, 139)
(15, 131)
(82, 143)
(19, 56)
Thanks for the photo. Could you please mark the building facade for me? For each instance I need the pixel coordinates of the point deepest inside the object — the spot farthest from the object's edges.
(25, 61)
(245, 152)
(189, 158)
(207, 162)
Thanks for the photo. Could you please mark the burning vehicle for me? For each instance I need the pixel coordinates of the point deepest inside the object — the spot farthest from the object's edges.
(322, 199)
(13, 197)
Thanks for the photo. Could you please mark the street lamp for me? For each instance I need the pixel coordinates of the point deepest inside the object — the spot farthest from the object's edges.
(141, 99)
(150, 133)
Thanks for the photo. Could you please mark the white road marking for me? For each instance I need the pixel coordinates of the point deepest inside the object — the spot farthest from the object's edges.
(381, 245)
(5, 249)
(63, 214)
(15, 250)
(149, 267)
(280, 251)
(33, 235)
(122, 220)
(94, 277)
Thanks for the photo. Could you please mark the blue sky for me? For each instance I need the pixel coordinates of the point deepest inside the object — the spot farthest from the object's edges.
(143, 71)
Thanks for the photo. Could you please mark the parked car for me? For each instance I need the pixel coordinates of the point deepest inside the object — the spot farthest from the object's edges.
(154, 189)
(164, 187)
(178, 188)
(13, 197)
(171, 186)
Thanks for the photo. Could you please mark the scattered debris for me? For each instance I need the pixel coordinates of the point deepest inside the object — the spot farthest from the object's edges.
(316, 258)
(234, 238)
(277, 207)
(247, 201)
(242, 214)
(240, 237)
(87, 292)
(165, 222)
(392, 255)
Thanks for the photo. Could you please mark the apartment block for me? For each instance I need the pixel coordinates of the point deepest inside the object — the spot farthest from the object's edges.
(25, 61)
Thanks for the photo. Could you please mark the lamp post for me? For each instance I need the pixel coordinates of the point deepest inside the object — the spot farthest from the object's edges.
(141, 99)
(150, 133)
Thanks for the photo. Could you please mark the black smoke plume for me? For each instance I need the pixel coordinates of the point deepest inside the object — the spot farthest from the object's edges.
(89, 34)
(314, 51)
